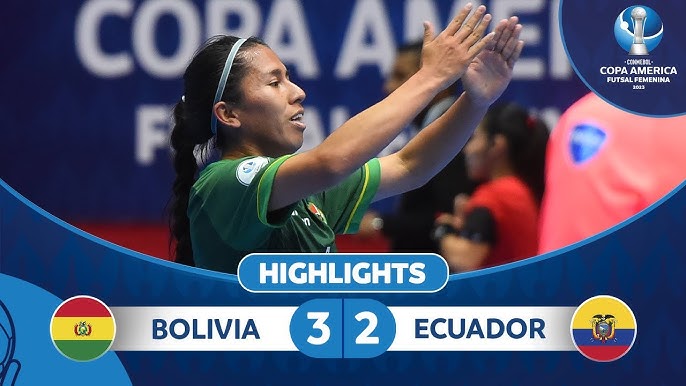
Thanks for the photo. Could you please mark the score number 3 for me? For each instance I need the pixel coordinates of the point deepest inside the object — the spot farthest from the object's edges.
(319, 319)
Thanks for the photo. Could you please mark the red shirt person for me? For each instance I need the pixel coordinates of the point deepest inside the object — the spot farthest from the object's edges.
(499, 223)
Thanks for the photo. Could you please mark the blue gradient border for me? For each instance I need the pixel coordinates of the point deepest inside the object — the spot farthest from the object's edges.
(641, 261)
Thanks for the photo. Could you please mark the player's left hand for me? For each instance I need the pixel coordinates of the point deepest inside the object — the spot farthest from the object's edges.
(491, 71)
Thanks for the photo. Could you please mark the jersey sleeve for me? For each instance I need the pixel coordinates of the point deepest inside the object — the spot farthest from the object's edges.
(234, 197)
(346, 203)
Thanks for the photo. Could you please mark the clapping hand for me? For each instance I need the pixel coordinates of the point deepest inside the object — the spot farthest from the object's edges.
(448, 55)
(488, 75)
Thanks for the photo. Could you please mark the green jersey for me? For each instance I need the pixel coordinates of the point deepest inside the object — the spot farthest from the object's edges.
(229, 218)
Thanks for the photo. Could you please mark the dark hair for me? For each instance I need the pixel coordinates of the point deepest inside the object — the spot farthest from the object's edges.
(192, 126)
(413, 47)
(527, 138)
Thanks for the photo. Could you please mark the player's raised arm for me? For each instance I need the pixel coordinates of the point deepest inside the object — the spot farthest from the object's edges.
(445, 59)
(484, 81)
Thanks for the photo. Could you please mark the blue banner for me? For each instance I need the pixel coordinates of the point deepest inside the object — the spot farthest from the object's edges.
(223, 334)
(334, 272)
(88, 86)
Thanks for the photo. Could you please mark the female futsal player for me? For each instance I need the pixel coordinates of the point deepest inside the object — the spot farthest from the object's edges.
(260, 197)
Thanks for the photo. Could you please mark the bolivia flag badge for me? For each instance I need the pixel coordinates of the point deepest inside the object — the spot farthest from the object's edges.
(82, 328)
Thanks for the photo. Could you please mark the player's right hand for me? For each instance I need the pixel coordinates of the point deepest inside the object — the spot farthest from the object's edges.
(447, 56)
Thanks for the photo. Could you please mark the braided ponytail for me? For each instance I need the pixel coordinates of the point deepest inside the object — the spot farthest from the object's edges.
(186, 169)
(192, 128)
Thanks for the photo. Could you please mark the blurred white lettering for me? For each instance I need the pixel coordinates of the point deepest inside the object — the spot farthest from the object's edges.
(287, 20)
(315, 133)
(527, 67)
(369, 37)
(153, 126)
(144, 36)
(218, 12)
(559, 62)
(152, 132)
(369, 19)
(416, 12)
(88, 49)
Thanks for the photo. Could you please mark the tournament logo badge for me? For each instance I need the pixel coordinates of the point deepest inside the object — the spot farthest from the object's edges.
(638, 30)
(603, 328)
(248, 169)
(629, 56)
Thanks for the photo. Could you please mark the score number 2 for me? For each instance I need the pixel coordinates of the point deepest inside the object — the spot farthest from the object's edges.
(365, 336)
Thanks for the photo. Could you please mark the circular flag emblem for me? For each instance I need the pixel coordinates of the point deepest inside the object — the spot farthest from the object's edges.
(82, 328)
(603, 328)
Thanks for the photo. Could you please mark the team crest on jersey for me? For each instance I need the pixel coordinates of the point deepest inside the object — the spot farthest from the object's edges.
(315, 211)
(248, 169)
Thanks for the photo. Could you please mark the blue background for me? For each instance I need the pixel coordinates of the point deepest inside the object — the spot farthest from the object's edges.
(67, 136)
(67, 140)
(31, 309)
(592, 45)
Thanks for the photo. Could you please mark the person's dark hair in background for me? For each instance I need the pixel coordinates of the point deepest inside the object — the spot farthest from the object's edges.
(526, 138)
(499, 223)
(192, 127)
(407, 62)
(408, 226)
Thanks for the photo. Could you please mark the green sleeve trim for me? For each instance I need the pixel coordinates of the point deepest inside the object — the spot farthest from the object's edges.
(371, 177)
(264, 191)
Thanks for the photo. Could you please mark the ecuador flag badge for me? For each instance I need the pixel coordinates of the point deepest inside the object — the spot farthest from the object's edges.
(82, 328)
(603, 328)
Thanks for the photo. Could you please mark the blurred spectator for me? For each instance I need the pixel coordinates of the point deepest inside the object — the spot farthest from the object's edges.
(408, 228)
(499, 223)
(605, 165)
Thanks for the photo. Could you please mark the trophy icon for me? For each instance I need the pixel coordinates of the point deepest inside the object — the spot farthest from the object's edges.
(638, 15)
(638, 30)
